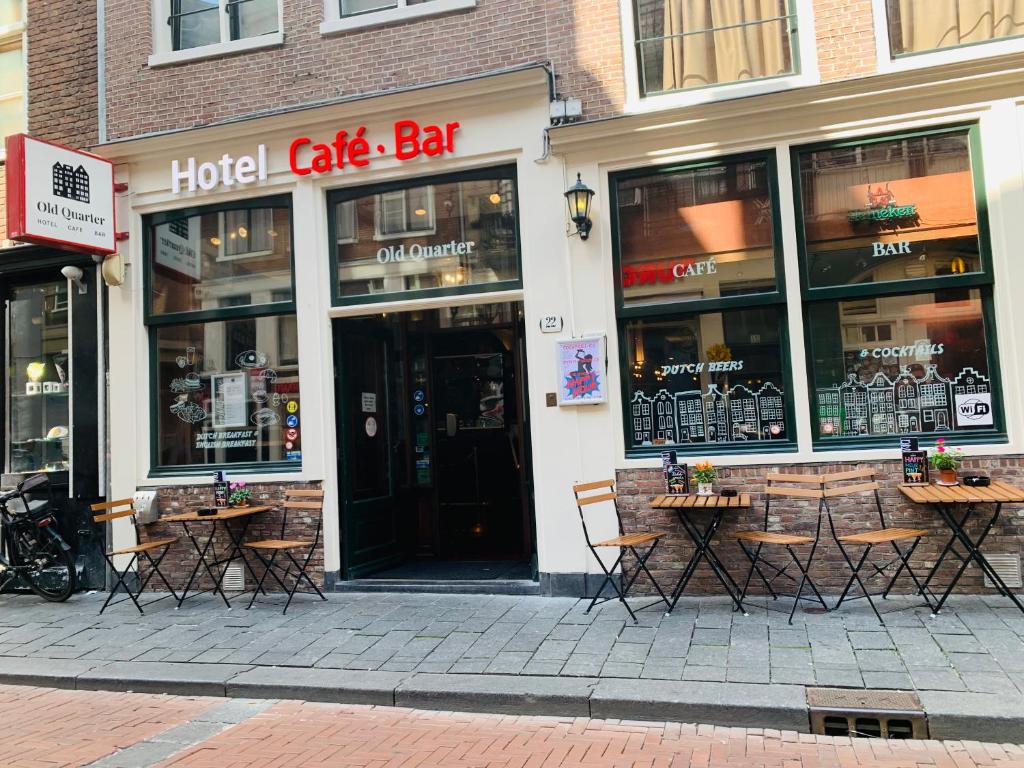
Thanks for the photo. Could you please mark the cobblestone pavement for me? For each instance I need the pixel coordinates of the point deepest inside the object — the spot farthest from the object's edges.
(975, 645)
(45, 728)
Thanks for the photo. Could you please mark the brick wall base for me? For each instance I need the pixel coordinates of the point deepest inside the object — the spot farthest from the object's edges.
(182, 557)
(830, 572)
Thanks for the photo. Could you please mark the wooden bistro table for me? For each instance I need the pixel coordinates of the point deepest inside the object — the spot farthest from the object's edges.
(946, 499)
(685, 506)
(224, 517)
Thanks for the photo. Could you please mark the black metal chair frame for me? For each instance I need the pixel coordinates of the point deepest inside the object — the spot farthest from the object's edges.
(154, 565)
(273, 568)
(754, 553)
(903, 558)
(609, 572)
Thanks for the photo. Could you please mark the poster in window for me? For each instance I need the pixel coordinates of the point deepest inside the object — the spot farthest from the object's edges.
(582, 378)
(176, 247)
(229, 400)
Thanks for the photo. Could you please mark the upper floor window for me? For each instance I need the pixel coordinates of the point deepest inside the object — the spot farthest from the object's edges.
(12, 69)
(685, 44)
(345, 15)
(354, 7)
(195, 23)
(918, 26)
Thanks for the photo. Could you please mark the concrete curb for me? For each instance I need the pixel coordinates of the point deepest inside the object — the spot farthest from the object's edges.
(973, 716)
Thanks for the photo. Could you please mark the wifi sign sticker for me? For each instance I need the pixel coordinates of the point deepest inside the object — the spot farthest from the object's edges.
(974, 410)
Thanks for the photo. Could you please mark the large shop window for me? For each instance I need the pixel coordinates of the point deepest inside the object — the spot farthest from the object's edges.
(898, 290)
(38, 381)
(684, 44)
(445, 234)
(701, 308)
(918, 26)
(224, 339)
(195, 23)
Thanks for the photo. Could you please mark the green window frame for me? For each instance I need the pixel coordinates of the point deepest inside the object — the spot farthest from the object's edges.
(640, 7)
(154, 322)
(676, 309)
(337, 196)
(982, 281)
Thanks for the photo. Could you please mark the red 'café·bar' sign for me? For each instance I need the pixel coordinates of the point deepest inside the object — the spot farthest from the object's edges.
(306, 156)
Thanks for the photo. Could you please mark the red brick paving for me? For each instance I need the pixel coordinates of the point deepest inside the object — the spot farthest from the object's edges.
(43, 727)
(295, 734)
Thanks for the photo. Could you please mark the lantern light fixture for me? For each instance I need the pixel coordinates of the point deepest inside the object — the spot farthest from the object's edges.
(578, 196)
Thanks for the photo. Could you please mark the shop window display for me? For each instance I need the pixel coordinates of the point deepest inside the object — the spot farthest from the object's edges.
(898, 289)
(38, 378)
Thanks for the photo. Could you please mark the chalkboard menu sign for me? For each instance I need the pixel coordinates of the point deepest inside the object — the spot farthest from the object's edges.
(677, 478)
(220, 490)
(915, 467)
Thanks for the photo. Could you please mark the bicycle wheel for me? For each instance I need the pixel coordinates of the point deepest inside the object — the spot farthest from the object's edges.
(52, 573)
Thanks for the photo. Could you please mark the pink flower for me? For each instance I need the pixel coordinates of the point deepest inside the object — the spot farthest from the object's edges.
(941, 449)
(940, 441)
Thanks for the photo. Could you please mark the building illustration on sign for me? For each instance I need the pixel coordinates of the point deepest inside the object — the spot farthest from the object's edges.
(71, 183)
(884, 406)
(693, 416)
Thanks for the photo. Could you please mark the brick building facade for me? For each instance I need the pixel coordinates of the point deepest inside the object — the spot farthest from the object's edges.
(761, 170)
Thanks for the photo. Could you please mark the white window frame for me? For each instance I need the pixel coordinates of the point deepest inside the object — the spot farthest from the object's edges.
(163, 53)
(379, 233)
(808, 74)
(968, 52)
(11, 35)
(334, 22)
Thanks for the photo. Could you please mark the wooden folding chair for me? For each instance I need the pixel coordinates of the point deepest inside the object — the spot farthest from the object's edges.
(869, 538)
(125, 508)
(623, 542)
(796, 487)
(294, 500)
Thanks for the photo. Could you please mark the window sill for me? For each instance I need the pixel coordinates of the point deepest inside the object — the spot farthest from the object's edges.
(393, 16)
(713, 449)
(956, 55)
(723, 92)
(170, 58)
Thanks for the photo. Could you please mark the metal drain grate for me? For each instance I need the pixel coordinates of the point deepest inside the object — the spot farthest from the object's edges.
(1008, 568)
(866, 713)
(234, 578)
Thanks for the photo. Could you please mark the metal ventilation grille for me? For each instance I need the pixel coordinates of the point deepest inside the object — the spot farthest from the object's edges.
(866, 713)
(234, 578)
(1008, 568)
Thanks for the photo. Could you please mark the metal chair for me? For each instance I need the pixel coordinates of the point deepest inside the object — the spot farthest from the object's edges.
(623, 542)
(870, 538)
(125, 508)
(294, 500)
(808, 487)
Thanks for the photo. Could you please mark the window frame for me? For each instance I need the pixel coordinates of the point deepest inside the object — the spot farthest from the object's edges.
(153, 323)
(984, 281)
(164, 53)
(339, 195)
(14, 36)
(669, 310)
(334, 22)
(803, 47)
(378, 225)
(889, 62)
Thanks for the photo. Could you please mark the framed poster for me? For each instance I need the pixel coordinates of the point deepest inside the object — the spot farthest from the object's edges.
(229, 395)
(582, 378)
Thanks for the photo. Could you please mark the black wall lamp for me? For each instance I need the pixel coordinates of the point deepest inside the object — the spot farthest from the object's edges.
(578, 196)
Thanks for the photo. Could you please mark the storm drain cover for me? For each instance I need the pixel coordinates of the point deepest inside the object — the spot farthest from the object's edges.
(866, 713)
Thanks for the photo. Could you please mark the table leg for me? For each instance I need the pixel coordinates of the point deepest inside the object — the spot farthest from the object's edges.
(202, 562)
(237, 551)
(703, 550)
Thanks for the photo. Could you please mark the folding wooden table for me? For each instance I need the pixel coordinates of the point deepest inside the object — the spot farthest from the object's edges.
(224, 517)
(685, 506)
(947, 497)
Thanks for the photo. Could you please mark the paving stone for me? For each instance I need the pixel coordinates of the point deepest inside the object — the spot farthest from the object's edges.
(974, 662)
(936, 679)
(543, 667)
(512, 663)
(708, 636)
(788, 638)
(707, 655)
(567, 632)
(710, 674)
(879, 661)
(555, 650)
(161, 677)
(892, 680)
(644, 635)
(790, 657)
(875, 641)
(331, 685)
(492, 693)
(793, 675)
(989, 682)
(838, 677)
(747, 674)
(621, 669)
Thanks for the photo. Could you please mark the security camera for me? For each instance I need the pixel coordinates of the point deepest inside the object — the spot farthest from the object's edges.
(75, 275)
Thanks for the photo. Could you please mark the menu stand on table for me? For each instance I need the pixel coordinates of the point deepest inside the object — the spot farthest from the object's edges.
(684, 506)
(944, 499)
(223, 517)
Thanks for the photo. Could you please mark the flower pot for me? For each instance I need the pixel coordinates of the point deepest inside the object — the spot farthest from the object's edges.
(704, 489)
(947, 476)
(242, 504)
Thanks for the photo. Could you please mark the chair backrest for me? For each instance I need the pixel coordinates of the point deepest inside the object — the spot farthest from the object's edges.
(303, 499)
(595, 492)
(851, 483)
(116, 510)
(794, 486)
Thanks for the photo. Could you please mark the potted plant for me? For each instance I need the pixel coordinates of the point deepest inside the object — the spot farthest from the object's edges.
(945, 460)
(240, 496)
(705, 474)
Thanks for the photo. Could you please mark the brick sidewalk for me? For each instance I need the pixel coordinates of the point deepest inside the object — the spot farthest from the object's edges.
(74, 729)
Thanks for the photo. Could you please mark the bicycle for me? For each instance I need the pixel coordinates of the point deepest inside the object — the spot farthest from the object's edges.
(31, 549)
